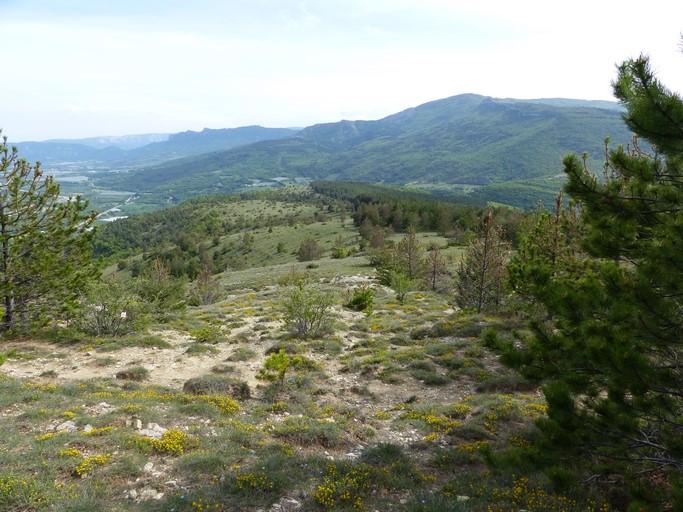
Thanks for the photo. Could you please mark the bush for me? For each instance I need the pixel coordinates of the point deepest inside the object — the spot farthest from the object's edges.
(430, 378)
(207, 334)
(363, 299)
(136, 373)
(242, 354)
(305, 431)
(310, 250)
(206, 289)
(109, 308)
(308, 312)
(199, 348)
(217, 385)
(294, 277)
(160, 290)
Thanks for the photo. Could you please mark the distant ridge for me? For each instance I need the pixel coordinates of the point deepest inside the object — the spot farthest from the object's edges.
(144, 149)
(469, 142)
(125, 142)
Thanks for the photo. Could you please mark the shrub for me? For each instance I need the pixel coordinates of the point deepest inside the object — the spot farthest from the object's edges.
(242, 354)
(217, 385)
(136, 373)
(294, 277)
(309, 250)
(162, 292)
(308, 312)
(430, 378)
(109, 308)
(207, 334)
(305, 431)
(278, 363)
(206, 289)
(172, 442)
(201, 348)
(363, 299)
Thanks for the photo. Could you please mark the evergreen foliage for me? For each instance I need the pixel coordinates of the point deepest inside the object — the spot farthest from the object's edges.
(404, 259)
(401, 283)
(480, 278)
(206, 288)
(408, 255)
(309, 250)
(609, 352)
(552, 242)
(162, 292)
(362, 299)
(434, 270)
(45, 244)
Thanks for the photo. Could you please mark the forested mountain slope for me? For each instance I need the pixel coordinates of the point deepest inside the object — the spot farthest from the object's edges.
(466, 140)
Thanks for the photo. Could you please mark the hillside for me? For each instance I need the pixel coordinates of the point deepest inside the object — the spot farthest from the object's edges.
(400, 407)
(465, 141)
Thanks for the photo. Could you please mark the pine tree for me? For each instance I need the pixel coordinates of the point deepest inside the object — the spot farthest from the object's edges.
(610, 355)
(310, 250)
(408, 254)
(161, 292)
(45, 244)
(552, 243)
(434, 270)
(480, 278)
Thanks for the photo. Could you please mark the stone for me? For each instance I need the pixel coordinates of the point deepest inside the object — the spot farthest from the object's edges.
(69, 426)
(148, 494)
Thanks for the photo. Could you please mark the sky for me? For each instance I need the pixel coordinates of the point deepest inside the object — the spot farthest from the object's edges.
(84, 68)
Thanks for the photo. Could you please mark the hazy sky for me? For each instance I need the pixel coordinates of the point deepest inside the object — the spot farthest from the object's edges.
(79, 68)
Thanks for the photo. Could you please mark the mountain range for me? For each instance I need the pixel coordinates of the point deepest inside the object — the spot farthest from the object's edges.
(503, 150)
(144, 149)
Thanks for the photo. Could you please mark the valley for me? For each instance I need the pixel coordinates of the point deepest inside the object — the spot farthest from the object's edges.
(469, 148)
(363, 315)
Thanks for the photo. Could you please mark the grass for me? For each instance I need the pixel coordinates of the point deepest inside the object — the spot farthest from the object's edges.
(404, 409)
(114, 344)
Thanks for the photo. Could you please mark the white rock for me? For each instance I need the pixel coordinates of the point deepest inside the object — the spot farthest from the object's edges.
(145, 432)
(156, 427)
(148, 494)
(69, 426)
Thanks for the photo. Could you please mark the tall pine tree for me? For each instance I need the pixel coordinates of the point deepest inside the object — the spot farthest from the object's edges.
(45, 244)
(609, 353)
